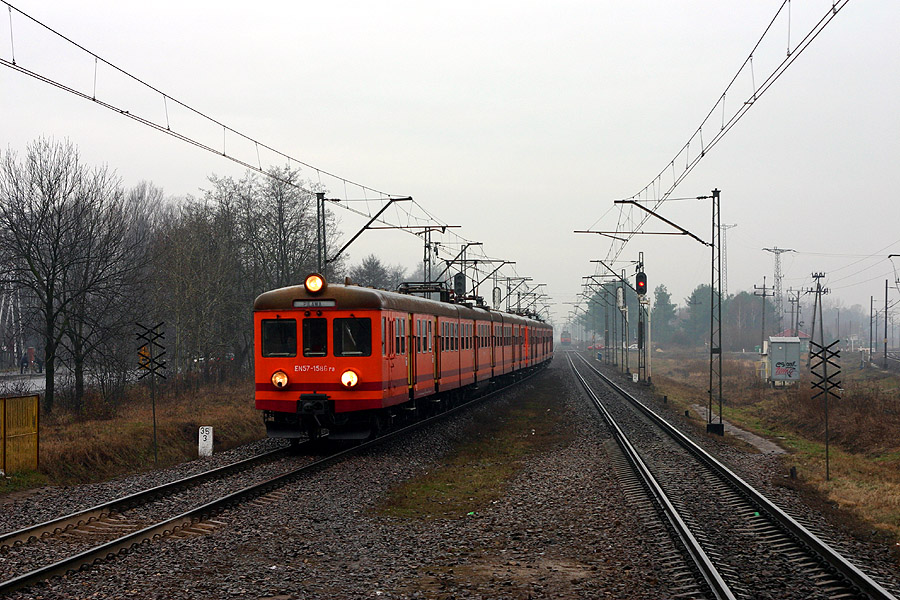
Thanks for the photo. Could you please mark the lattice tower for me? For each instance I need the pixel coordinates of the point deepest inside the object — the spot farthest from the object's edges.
(779, 296)
(725, 229)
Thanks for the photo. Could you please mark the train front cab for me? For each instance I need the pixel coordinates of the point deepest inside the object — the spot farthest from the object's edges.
(319, 358)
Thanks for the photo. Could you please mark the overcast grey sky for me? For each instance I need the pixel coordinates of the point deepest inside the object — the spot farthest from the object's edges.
(519, 121)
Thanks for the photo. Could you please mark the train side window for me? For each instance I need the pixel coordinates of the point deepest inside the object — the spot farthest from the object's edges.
(418, 336)
(403, 336)
(396, 336)
(383, 336)
(428, 329)
(352, 337)
(315, 337)
(279, 337)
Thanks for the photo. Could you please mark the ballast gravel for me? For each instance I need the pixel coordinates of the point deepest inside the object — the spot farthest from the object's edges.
(563, 528)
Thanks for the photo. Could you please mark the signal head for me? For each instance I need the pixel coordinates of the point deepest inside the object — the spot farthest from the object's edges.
(640, 283)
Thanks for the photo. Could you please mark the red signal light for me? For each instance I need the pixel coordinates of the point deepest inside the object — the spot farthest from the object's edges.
(641, 283)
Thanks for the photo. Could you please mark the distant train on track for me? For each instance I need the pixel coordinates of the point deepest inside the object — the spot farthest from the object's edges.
(565, 338)
(348, 361)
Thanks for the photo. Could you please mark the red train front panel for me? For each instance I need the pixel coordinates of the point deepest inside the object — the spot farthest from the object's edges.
(323, 355)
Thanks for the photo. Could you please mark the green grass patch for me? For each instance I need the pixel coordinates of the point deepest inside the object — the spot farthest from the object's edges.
(478, 471)
(25, 480)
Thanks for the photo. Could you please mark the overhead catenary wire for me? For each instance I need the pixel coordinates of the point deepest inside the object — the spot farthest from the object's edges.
(184, 105)
(656, 185)
(403, 218)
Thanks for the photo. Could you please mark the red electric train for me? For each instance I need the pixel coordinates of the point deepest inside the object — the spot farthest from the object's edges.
(347, 361)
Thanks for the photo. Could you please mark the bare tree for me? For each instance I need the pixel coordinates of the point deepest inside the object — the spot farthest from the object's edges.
(48, 206)
(114, 251)
(196, 277)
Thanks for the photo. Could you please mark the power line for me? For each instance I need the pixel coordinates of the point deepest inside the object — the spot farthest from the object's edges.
(404, 218)
(165, 97)
(653, 191)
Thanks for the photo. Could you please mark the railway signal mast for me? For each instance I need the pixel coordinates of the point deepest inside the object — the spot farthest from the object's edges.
(640, 286)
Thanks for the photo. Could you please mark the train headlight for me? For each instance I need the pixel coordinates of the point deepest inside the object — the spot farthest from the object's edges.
(349, 378)
(314, 283)
(279, 379)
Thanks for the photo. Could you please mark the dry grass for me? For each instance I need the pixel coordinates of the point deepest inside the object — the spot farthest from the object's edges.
(81, 448)
(864, 430)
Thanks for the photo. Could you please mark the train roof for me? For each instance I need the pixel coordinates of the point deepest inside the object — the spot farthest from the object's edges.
(347, 296)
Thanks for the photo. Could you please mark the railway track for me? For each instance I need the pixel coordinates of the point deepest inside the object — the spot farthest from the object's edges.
(52, 543)
(732, 541)
(118, 529)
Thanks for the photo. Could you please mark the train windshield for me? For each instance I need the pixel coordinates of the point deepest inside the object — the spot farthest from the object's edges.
(279, 337)
(352, 337)
(315, 337)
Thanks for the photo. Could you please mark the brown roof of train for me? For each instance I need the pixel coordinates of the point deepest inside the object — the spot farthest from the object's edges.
(370, 298)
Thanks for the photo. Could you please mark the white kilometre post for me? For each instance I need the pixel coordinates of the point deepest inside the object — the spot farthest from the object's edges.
(205, 447)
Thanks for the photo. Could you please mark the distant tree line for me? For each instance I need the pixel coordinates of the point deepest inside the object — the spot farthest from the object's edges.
(84, 259)
(742, 318)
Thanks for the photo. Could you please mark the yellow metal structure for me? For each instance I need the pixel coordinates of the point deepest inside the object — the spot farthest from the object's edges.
(19, 434)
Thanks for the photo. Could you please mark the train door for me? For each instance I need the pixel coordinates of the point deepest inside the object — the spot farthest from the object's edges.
(410, 353)
(515, 345)
(476, 345)
(386, 347)
(529, 355)
(395, 351)
(430, 333)
(438, 358)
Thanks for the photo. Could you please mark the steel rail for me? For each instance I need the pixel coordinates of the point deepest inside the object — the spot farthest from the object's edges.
(123, 544)
(87, 515)
(844, 567)
(711, 575)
